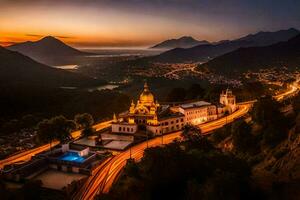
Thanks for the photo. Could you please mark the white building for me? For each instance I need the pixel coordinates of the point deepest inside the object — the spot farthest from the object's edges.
(198, 112)
(228, 100)
(149, 116)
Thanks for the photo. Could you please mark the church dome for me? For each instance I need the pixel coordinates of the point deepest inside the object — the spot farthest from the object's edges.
(146, 96)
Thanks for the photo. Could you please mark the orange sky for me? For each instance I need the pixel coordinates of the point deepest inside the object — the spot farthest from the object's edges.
(91, 23)
(85, 26)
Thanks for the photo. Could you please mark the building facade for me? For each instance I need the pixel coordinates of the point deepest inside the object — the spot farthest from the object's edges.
(228, 100)
(147, 115)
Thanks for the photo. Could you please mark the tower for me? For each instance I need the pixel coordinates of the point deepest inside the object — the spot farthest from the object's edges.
(228, 100)
(132, 108)
(115, 120)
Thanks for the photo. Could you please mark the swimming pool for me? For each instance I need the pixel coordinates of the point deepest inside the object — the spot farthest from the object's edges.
(72, 157)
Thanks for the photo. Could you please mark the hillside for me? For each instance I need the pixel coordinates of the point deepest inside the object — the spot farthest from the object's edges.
(17, 69)
(253, 58)
(183, 42)
(48, 50)
(207, 52)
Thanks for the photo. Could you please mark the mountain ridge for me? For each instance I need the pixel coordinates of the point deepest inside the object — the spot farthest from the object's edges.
(281, 54)
(202, 53)
(17, 69)
(46, 50)
(182, 42)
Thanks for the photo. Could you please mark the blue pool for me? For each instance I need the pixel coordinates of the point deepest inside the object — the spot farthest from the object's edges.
(72, 157)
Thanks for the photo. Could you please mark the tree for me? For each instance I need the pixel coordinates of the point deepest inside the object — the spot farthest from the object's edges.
(221, 133)
(266, 110)
(242, 138)
(55, 128)
(85, 121)
(46, 131)
(275, 124)
(89, 131)
(62, 127)
(191, 133)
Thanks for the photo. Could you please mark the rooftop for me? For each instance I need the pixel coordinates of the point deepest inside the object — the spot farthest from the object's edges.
(165, 113)
(77, 147)
(195, 104)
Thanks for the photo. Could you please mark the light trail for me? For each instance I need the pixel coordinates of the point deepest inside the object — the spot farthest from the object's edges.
(106, 178)
(105, 175)
(102, 180)
(27, 155)
(293, 90)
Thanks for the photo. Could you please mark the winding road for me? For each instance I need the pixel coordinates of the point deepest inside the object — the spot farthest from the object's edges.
(103, 178)
(107, 172)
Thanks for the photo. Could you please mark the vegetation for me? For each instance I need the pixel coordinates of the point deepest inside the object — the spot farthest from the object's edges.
(185, 170)
(34, 104)
(85, 121)
(56, 128)
(274, 125)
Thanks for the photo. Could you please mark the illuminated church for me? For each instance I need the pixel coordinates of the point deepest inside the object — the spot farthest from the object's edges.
(148, 115)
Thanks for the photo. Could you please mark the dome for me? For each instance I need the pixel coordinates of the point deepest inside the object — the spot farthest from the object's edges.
(146, 96)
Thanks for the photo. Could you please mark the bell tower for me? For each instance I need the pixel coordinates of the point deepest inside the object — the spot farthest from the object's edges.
(228, 100)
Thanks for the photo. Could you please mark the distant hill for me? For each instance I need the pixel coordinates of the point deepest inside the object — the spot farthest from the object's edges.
(209, 51)
(48, 50)
(183, 42)
(17, 69)
(252, 58)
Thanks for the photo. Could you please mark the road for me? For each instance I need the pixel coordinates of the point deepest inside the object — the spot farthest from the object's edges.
(105, 177)
(26, 155)
(102, 180)
(293, 90)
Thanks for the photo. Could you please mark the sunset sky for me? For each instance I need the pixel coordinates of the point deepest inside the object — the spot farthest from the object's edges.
(127, 23)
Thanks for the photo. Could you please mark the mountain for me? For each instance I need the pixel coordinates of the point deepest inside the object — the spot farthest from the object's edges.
(183, 42)
(48, 50)
(268, 38)
(253, 58)
(17, 69)
(203, 53)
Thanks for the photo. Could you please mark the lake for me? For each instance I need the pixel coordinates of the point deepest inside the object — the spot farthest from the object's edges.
(104, 87)
(68, 67)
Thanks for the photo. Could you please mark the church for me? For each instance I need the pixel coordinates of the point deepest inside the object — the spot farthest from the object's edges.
(147, 115)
